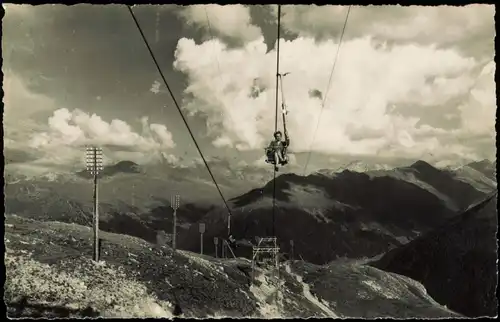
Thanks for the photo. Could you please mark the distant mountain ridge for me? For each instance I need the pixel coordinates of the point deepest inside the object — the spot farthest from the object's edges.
(346, 214)
(335, 187)
(486, 167)
(133, 199)
(110, 170)
(445, 185)
(351, 213)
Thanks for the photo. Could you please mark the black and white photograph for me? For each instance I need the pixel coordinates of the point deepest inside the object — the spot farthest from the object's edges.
(270, 161)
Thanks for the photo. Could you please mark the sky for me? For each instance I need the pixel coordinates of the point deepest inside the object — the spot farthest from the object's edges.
(409, 83)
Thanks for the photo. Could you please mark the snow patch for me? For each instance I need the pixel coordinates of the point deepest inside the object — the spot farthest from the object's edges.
(360, 167)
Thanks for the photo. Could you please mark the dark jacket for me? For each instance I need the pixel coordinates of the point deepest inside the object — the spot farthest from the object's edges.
(279, 145)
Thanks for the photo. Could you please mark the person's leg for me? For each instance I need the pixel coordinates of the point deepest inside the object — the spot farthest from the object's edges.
(283, 158)
(280, 156)
(276, 160)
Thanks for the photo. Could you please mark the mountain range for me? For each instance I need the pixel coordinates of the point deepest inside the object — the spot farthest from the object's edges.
(344, 214)
(406, 213)
(328, 214)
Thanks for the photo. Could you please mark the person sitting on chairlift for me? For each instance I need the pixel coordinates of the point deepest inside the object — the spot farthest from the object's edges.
(276, 152)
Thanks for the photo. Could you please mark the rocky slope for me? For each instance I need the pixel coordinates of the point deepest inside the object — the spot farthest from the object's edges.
(480, 175)
(457, 262)
(49, 274)
(486, 167)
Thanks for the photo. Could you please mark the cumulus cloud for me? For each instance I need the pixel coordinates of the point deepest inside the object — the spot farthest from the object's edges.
(69, 131)
(479, 110)
(231, 21)
(21, 107)
(79, 128)
(18, 95)
(357, 118)
(155, 87)
(450, 26)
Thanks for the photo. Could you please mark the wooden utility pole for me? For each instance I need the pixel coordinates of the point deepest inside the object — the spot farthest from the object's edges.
(133, 194)
(94, 165)
(202, 231)
(216, 243)
(174, 203)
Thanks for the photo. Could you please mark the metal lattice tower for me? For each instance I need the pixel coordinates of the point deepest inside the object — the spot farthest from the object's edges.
(268, 246)
(265, 245)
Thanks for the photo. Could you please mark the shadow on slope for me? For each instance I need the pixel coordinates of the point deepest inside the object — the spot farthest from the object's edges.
(456, 262)
(36, 310)
(316, 241)
(358, 215)
(462, 193)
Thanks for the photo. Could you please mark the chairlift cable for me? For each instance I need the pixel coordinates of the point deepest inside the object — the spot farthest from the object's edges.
(327, 88)
(276, 115)
(177, 106)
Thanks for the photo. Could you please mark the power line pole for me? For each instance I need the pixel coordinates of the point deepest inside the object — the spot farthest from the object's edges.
(216, 243)
(202, 231)
(133, 194)
(174, 203)
(94, 165)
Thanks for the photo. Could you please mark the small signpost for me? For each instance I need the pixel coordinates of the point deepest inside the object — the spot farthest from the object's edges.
(161, 238)
(216, 243)
(202, 231)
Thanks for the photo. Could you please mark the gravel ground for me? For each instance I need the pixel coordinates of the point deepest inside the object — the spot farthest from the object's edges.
(49, 274)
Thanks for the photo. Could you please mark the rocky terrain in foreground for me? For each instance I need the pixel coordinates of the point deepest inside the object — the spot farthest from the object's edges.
(49, 274)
